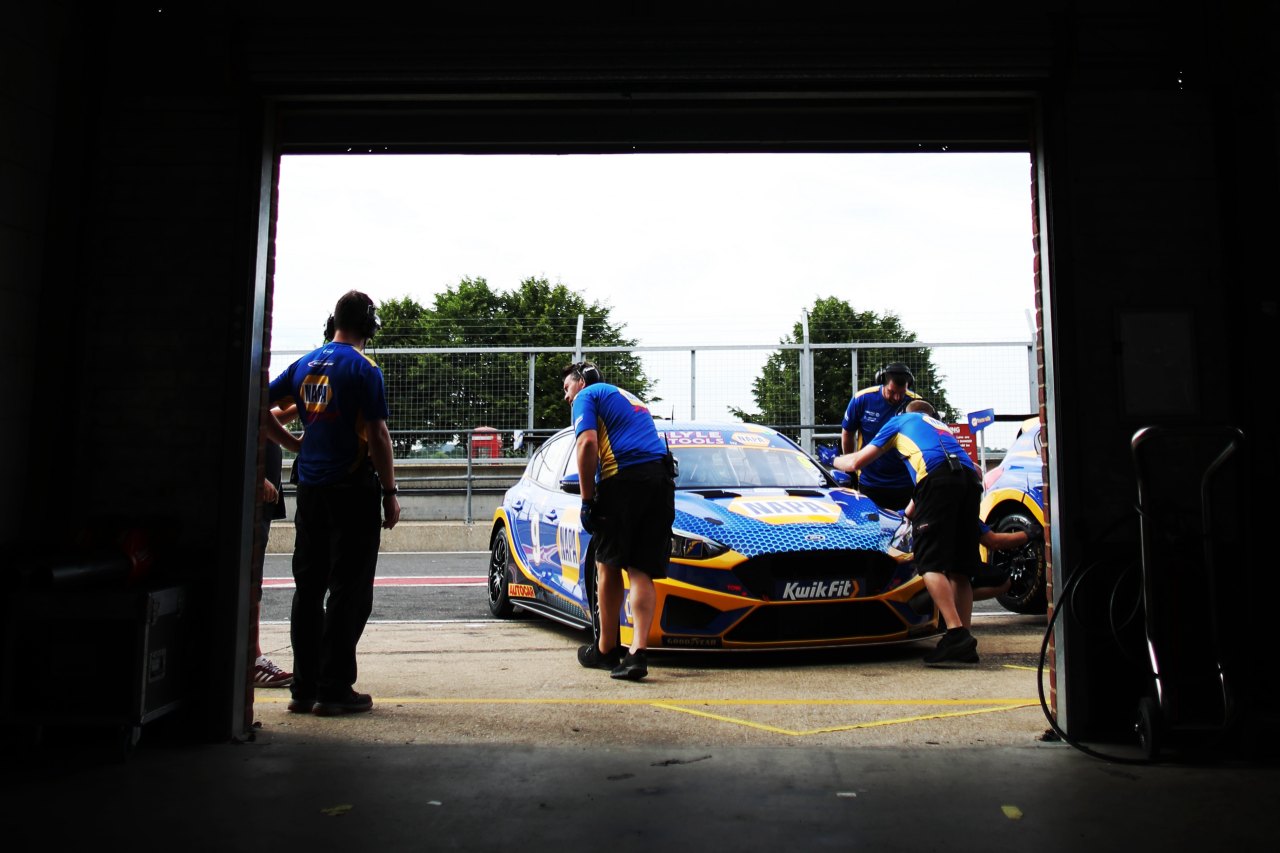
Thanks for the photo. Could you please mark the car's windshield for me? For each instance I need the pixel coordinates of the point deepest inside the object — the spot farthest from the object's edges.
(730, 467)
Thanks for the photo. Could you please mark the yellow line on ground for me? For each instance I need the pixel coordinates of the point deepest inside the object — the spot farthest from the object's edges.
(426, 700)
(1020, 666)
(718, 717)
(827, 730)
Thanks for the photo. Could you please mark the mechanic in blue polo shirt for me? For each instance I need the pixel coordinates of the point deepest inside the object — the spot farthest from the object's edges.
(346, 483)
(948, 490)
(884, 480)
(628, 504)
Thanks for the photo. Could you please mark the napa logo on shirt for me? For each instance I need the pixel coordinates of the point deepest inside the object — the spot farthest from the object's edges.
(316, 392)
(786, 510)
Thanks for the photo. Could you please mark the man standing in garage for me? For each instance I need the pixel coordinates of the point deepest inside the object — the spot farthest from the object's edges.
(346, 485)
(883, 481)
(628, 505)
(947, 492)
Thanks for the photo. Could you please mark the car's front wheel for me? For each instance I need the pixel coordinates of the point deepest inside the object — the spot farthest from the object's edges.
(1025, 565)
(499, 575)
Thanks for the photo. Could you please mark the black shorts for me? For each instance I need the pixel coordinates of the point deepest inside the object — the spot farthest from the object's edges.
(634, 510)
(945, 522)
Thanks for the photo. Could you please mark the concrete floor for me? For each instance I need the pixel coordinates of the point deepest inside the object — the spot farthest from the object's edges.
(488, 736)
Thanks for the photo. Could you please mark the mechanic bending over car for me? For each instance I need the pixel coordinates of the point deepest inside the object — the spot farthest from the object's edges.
(627, 483)
(988, 581)
(947, 493)
(884, 480)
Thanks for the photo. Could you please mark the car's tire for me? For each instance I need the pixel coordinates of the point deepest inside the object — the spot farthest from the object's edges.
(500, 575)
(1026, 565)
(593, 600)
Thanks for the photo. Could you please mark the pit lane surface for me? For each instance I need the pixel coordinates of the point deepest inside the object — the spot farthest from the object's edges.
(441, 670)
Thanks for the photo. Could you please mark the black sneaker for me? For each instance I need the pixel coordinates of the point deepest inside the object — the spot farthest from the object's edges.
(958, 646)
(591, 657)
(633, 667)
(356, 703)
(301, 706)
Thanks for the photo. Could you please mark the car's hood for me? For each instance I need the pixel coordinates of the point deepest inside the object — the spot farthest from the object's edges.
(761, 521)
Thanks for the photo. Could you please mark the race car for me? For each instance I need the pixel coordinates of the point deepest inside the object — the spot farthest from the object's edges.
(1013, 499)
(768, 550)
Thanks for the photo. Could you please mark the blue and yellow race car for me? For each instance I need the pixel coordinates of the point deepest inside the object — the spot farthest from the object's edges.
(768, 550)
(1013, 499)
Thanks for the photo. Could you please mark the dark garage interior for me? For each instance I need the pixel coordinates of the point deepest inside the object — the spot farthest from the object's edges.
(140, 145)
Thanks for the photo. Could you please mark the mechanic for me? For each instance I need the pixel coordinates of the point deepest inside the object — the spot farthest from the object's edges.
(948, 489)
(627, 479)
(346, 493)
(263, 671)
(884, 481)
(988, 580)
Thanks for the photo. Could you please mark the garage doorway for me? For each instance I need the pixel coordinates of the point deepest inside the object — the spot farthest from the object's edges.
(950, 127)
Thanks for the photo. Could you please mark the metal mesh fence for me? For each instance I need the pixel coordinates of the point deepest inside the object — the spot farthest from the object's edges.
(445, 400)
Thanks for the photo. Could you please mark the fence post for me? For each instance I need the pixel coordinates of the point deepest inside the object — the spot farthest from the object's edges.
(693, 384)
(806, 389)
(577, 341)
(1034, 384)
(470, 437)
(853, 369)
(533, 358)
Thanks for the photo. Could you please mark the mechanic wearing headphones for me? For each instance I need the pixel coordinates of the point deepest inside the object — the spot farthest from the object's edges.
(628, 505)
(948, 489)
(884, 481)
(346, 486)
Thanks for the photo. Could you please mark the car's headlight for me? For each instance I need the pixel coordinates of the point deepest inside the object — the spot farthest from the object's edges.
(687, 546)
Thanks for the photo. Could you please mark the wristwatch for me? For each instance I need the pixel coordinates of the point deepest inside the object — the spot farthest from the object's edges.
(386, 493)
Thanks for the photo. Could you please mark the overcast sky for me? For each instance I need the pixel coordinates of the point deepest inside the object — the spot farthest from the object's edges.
(686, 248)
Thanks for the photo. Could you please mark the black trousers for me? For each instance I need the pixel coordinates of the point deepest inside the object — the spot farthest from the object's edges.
(337, 530)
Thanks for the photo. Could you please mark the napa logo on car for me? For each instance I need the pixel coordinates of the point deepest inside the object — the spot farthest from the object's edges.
(810, 590)
(786, 510)
(749, 439)
(570, 547)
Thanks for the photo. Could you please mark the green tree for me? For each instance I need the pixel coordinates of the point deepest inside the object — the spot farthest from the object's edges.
(832, 320)
(454, 392)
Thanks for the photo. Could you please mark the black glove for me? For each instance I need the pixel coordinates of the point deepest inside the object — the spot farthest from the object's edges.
(584, 516)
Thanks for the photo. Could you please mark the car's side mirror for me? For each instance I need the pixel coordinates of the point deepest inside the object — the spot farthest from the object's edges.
(842, 478)
(569, 483)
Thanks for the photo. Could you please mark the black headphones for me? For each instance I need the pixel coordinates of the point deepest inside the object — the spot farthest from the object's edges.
(896, 368)
(589, 372)
(372, 323)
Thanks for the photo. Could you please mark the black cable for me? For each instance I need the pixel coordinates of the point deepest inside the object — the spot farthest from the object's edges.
(1065, 601)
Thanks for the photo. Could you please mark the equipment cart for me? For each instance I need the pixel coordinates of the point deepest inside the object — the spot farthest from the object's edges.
(1187, 496)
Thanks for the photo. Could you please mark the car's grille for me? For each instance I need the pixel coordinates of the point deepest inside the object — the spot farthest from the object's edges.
(685, 614)
(830, 620)
(873, 570)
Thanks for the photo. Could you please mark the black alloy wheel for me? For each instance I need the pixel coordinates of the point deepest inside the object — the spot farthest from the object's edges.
(499, 575)
(1025, 566)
